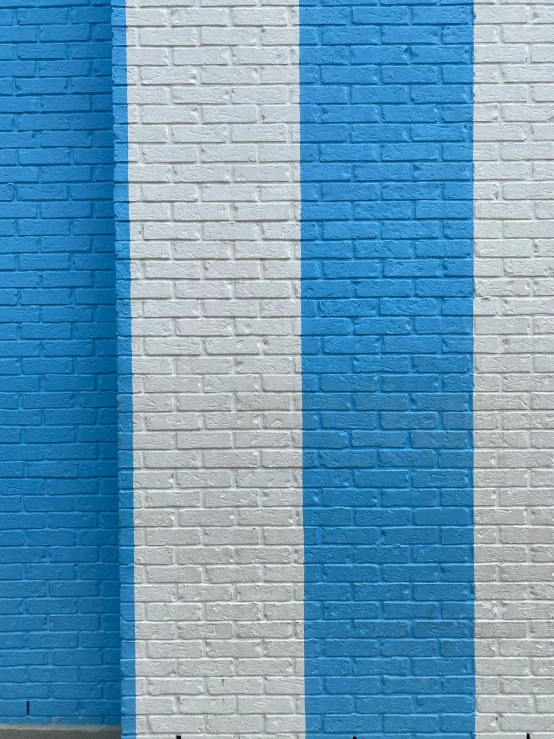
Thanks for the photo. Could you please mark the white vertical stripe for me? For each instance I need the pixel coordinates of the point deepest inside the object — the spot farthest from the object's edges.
(213, 111)
(514, 379)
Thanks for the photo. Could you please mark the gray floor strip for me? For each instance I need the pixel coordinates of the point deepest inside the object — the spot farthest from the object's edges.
(58, 731)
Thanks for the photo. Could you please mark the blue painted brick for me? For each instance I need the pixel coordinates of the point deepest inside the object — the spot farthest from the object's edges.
(57, 365)
(387, 284)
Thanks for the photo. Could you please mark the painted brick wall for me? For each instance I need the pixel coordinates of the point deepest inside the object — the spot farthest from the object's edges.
(387, 225)
(59, 622)
(217, 575)
(514, 378)
(386, 110)
(213, 191)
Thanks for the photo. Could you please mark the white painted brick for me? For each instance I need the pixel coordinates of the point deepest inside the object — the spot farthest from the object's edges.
(513, 535)
(215, 300)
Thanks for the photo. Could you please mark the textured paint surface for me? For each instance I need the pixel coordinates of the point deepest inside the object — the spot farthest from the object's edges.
(124, 371)
(59, 646)
(514, 343)
(386, 132)
(212, 111)
(387, 271)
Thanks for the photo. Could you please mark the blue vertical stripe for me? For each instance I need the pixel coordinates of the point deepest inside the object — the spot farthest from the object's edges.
(125, 370)
(387, 281)
(59, 590)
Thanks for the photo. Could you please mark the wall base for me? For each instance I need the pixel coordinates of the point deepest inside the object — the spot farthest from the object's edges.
(58, 731)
